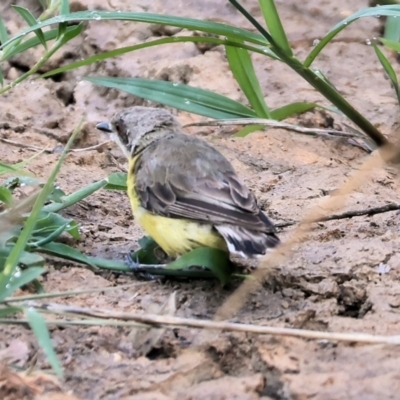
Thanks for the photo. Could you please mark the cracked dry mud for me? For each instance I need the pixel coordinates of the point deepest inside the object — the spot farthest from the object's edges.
(344, 278)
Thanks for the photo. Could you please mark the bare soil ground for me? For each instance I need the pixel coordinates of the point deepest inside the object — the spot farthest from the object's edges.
(344, 278)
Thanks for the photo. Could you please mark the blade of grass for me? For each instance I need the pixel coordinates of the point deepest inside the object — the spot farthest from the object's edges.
(291, 109)
(320, 84)
(75, 197)
(388, 69)
(243, 71)
(181, 96)
(21, 278)
(12, 169)
(7, 311)
(64, 7)
(116, 181)
(6, 196)
(388, 11)
(391, 44)
(13, 258)
(32, 42)
(274, 25)
(180, 39)
(231, 32)
(392, 29)
(217, 261)
(67, 252)
(39, 328)
(31, 21)
(3, 32)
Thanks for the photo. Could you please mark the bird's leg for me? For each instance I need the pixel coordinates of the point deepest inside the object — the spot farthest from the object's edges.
(142, 270)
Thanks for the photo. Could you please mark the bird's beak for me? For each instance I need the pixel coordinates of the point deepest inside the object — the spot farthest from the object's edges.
(105, 127)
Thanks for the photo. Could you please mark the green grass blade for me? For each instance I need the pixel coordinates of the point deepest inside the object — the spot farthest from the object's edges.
(183, 97)
(116, 181)
(181, 39)
(12, 169)
(39, 328)
(275, 26)
(391, 44)
(291, 109)
(69, 253)
(32, 42)
(392, 29)
(217, 261)
(31, 21)
(6, 196)
(231, 32)
(389, 70)
(10, 310)
(21, 278)
(75, 197)
(3, 32)
(243, 71)
(44, 4)
(389, 11)
(13, 258)
(69, 34)
(64, 7)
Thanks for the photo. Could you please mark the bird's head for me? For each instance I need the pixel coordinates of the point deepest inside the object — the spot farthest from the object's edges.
(136, 127)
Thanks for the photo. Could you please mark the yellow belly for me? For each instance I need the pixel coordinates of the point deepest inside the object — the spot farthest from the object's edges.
(174, 236)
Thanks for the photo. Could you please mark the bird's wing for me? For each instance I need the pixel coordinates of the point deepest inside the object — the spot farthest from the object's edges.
(184, 177)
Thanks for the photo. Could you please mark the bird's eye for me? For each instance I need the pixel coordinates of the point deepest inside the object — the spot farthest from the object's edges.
(118, 127)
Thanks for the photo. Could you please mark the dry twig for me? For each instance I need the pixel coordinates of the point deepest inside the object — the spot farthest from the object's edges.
(166, 321)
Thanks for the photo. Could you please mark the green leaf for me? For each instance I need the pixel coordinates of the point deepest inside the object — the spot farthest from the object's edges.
(180, 39)
(1, 77)
(21, 278)
(183, 97)
(3, 32)
(392, 29)
(145, 254)
(116, 181)
(64, 7)
(231, 32)
(27, 259)
(215, 260)
(14, 182)
(31, 21)
(73, 198)
(9, 310)
(389, 11)
(275, 26)
(243, 71)
(70, 34)
(291, 109)
(12, 169)
(56, 196)
(6, 196)
(44, 4)
(391, 44)
(64, 251)
(388, 69)
(246, 130)
(15, 254)
(39, 328)
(32, 42)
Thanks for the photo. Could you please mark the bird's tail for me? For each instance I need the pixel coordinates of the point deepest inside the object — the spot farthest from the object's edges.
(247, 243)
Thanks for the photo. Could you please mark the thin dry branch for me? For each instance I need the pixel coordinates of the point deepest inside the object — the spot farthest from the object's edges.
(349, 214)
(277, 124)
(165, 321)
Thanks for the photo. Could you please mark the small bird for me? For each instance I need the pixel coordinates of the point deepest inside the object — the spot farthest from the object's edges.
(183, 192)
